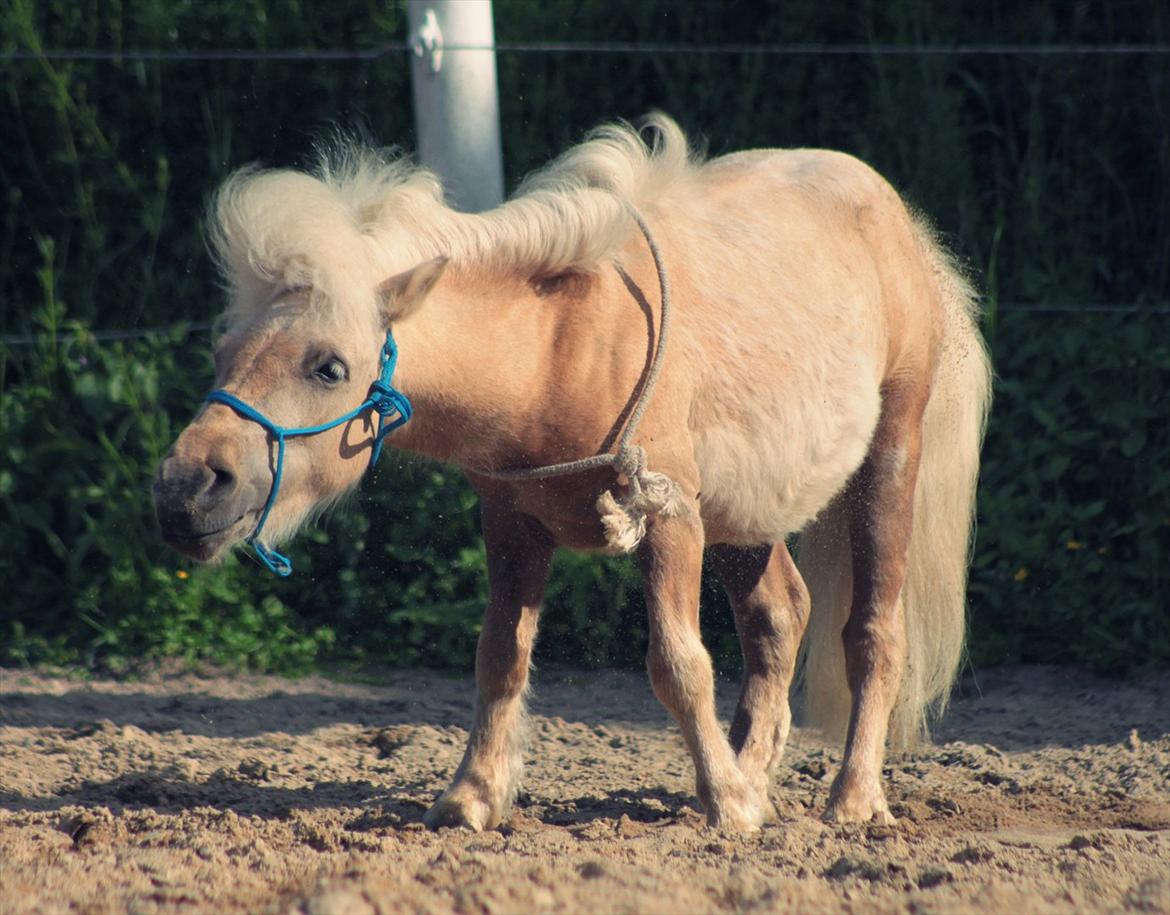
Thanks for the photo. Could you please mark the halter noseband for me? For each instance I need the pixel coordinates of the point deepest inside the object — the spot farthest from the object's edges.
(384, 399)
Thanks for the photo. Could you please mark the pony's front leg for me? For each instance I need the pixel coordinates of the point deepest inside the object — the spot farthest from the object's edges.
(671, 557)
(486, 783)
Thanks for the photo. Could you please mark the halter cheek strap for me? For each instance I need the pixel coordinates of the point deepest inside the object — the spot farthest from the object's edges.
(393, 409)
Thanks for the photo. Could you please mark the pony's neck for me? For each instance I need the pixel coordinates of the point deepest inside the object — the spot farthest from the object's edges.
(507, 373)
(467, 360)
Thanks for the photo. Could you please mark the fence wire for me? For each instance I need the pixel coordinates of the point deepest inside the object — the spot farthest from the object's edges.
(958, 49)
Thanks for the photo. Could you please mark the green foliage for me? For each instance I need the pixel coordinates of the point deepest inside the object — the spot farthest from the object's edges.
(1050, 176)
(1075, 494)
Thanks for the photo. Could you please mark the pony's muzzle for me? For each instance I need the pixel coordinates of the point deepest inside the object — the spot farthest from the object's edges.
(200, 504)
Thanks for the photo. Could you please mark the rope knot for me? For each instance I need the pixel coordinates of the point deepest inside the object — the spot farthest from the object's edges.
(392, 406)
(630, 461)
(382, 398)
(650, 495)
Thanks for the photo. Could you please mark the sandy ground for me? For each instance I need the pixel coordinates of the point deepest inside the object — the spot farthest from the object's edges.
(1046, 791)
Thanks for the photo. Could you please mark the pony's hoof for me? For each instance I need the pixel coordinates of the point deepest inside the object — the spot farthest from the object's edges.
(745, 810)
(858, 807)
(456, 808)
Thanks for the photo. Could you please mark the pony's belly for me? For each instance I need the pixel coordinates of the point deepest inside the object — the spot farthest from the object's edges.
(768, 479)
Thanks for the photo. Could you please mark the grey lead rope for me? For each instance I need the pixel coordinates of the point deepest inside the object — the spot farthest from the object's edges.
(650, 493)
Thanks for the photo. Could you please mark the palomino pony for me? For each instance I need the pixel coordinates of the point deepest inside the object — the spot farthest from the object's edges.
(823, 375)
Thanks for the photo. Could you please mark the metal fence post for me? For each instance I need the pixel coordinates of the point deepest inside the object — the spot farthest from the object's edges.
(456, 100)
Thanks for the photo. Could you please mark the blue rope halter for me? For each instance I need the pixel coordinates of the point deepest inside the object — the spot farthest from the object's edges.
(384, 399)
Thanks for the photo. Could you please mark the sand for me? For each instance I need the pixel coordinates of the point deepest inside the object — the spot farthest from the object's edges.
(1046, 790)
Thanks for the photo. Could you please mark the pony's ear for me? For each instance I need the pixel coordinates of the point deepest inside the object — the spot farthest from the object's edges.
(400, 296)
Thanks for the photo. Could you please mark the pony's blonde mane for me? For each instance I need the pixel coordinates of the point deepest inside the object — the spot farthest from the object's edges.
(362, 215)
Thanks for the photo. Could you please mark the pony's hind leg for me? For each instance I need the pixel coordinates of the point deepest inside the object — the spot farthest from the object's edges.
(671, 557)
(486, 783)
(771, 608)
(880, 500)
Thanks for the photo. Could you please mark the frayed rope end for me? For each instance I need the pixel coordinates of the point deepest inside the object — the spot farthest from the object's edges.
(651, 495)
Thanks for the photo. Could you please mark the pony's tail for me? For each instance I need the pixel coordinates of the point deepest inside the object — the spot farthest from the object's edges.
(934, 595)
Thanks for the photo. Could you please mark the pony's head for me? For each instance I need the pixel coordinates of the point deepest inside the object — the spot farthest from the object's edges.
(300, 362)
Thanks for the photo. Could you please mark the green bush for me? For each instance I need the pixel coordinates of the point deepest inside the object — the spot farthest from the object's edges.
(1044, 171)
(1074, 500)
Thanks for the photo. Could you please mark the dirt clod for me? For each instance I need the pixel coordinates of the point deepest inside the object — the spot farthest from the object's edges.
(934, 876)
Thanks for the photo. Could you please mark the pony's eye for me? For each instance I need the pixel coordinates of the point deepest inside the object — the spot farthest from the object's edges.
(332, 371)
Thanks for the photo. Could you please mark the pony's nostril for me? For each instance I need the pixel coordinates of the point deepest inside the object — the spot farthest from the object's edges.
(223, 480)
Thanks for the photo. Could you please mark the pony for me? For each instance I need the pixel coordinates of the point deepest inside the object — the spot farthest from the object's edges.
(824, 377)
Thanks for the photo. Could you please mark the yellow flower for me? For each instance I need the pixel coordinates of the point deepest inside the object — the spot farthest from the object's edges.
(1075, 545)
(1021, 574)
(182, 575)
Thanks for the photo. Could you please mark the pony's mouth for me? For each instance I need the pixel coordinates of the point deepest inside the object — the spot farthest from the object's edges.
(204, 545)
